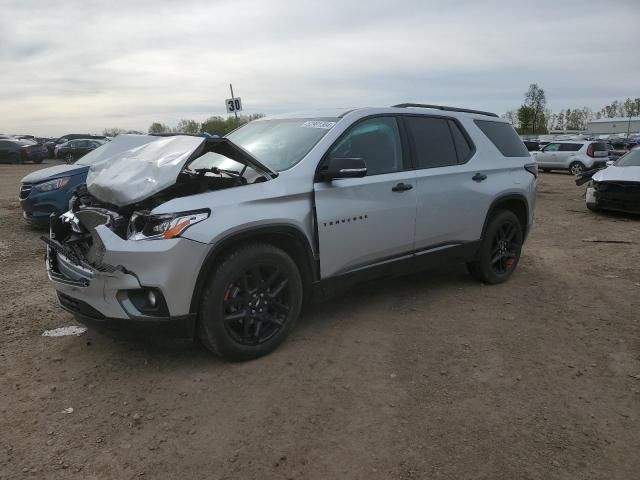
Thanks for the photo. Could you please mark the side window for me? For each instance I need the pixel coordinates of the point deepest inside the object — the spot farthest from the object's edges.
(462, 144)
(432, 141)
(504, 137)
(570, 147)
(552, 147)
(376, 141)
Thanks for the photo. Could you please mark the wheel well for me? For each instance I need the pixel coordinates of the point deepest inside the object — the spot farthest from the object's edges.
(288, 239)
(515, 204)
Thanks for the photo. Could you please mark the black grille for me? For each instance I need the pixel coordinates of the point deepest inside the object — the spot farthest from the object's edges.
(25, 190)
(78, 306)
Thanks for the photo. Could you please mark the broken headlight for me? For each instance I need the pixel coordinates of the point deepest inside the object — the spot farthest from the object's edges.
(143, 226)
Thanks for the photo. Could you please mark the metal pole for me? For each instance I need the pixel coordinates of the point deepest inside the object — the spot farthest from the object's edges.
(628, 128)
(234, 107)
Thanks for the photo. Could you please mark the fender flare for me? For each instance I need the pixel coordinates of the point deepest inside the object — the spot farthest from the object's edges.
(505, 198)
(310, 270)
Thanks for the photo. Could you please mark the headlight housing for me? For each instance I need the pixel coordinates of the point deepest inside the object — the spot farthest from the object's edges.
(143, 226)
(52, 184)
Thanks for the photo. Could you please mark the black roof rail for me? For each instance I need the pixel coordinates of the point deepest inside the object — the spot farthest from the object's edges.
(442, 107)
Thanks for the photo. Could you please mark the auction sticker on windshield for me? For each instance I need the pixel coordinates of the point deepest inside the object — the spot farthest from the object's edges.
(318, 124)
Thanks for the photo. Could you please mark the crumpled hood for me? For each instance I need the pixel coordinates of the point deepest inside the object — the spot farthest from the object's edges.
(51, 173)
(618, 174)
(131, 168)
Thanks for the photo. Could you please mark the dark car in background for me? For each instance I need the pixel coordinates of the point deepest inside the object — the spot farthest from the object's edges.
(13, 150)
(75, 149)
(51, 144)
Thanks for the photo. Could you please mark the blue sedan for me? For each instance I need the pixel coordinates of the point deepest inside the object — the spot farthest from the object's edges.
(49, 190)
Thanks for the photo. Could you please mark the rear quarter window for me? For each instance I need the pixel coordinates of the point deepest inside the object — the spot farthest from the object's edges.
(600, 147)
(504, 137)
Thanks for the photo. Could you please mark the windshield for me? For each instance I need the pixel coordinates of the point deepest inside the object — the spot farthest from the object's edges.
(631, 159)
(280, 144)
(90, 158)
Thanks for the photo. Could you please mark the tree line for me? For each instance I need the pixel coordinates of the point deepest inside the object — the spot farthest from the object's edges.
(215, 125)
(533, 116)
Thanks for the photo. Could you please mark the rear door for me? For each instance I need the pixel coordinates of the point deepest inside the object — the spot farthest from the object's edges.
(451, 204)
(363, 221)
(567, 152)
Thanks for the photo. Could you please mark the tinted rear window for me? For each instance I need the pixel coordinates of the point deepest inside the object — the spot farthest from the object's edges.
(504, 137)
(600, 147)
(462, 144)
(432, 141)
(570, 147)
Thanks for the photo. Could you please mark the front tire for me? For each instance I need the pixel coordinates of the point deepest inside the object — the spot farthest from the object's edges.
(576, 168)
(251, 303)
(500, 249)
(69, 159)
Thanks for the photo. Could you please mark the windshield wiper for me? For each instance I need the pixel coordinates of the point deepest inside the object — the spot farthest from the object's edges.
(219, 171)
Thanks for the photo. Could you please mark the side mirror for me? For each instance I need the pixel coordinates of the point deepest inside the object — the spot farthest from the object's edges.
(344, 168)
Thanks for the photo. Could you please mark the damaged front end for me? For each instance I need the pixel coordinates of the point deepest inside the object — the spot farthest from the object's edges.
(110, 257)
(617, 195)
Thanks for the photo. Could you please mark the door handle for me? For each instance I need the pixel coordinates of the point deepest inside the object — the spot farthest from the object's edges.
(478, 177)
(401, 187)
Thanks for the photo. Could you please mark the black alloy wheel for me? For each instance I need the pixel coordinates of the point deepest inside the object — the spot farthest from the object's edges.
(499, 251)
(256, 304)
(504, 250)
(251, 302)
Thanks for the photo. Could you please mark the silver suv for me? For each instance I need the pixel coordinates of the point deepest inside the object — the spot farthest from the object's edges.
(225, 238)
(575, 156)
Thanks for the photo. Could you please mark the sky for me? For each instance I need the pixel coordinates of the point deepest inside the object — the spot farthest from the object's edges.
(82, 66)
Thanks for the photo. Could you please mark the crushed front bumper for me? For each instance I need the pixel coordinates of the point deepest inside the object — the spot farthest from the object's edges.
(105, 294)
(618, 196)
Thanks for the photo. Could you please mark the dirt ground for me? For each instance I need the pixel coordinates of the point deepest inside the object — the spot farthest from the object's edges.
(429, 376)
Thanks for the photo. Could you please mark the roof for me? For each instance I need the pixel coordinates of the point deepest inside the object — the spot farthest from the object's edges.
(401, 108)
(318, 113)
(615, 120)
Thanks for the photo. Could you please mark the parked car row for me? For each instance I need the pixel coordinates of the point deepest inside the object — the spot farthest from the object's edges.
(13, 150)
(224, 238)
(51, 145)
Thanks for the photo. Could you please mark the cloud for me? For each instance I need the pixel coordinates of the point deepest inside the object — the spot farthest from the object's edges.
(84, 65)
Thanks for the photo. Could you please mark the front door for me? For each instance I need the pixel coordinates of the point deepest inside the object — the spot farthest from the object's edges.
(549, 157)
(363, 221)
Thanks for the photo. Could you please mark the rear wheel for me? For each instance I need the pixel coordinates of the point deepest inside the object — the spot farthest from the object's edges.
(576, 168)
(251, 303)
(14, 158)
(500, 249)
(68, 158)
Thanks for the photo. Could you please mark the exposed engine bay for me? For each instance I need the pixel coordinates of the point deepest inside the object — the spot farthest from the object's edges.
(213, 164)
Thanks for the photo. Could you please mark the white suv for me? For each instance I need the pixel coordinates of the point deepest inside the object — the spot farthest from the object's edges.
(575, 156)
